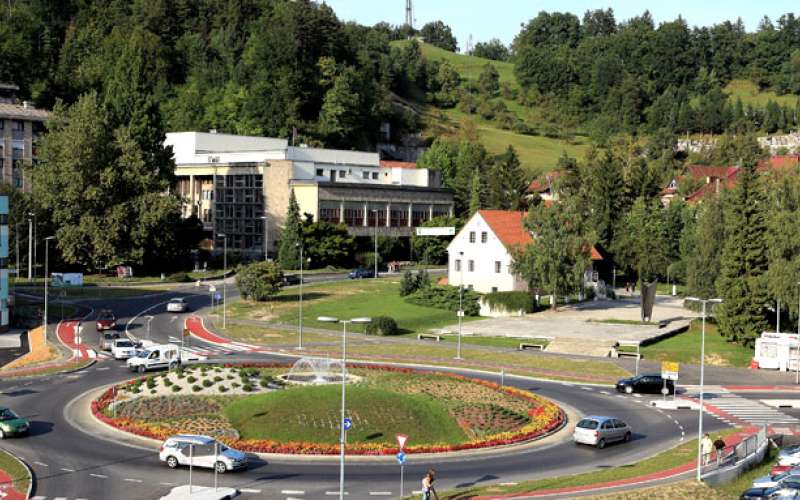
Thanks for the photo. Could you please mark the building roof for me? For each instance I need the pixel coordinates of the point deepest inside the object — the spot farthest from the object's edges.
(509, 228)
(398, 164)
(699, 172)
(22, 112)
(545, 182)
(773, 164)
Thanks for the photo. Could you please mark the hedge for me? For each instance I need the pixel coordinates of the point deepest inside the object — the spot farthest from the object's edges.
(510, 301)
(383, 325)
(446, 297)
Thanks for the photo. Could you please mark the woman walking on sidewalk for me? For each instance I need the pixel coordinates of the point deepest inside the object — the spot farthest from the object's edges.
(427, 486)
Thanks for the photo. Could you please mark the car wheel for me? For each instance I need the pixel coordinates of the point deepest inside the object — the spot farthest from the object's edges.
(221, 468)
(141, 369)
(628, 389)
(627, 436)
(172, 462)
(601, 444)
(2, 434)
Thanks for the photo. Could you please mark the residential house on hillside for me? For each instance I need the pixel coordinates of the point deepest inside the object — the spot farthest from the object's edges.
(21, 124)
(480, 255)
(717, 184)
(695, 174)
(545, 186)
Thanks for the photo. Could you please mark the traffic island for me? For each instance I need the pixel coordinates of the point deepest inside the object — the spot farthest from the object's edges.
(257, 409)
(43, 359)
(15, 478)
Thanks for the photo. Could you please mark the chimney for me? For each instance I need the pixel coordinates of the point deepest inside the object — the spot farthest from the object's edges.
(716, 187)
(212, 131)
(27, 105)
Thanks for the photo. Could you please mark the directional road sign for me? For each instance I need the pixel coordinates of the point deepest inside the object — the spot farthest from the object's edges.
(348, 424)
(217, 296)
(401, 458)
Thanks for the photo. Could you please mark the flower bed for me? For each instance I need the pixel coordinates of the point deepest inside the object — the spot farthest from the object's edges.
(543, 417)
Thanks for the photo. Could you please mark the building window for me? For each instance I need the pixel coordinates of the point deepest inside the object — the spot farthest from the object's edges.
(17, 125)
(472, 236)
(374, 176)
(494, 289)
(365, 175)
(484, 237)
(342, 173)
(458, 265)
(471, 266)
(320, 172)
(497, 266)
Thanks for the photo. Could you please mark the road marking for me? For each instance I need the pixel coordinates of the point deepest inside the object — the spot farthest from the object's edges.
(103, 368)
(39, 498)
(99, 476)
(291, 492)
(605, 392)
(334, 493)
(585, 388)
(67, 470)
(59, 498)
(40, 463)
(380, 493)
(249, 490)
(637, 395)
(168, 484)
(131, 480)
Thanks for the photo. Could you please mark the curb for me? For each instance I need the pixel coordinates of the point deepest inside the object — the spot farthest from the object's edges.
(27, 468)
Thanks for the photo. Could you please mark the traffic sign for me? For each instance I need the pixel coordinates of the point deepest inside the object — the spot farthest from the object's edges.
(401, 441)
(217, 296)
(401, 458)
(212, 288)
(348, 424)
(669, 370)
(186, 332)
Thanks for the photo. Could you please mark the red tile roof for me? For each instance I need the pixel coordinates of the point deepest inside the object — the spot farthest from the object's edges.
(398, 164)
(702, 172)
(779, 163)
(774, 164)
(543, 183)
(509, 228)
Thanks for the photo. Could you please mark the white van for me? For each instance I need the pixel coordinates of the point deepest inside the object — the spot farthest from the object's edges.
(161, 356)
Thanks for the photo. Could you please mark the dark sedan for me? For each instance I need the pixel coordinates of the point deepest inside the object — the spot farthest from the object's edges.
(361, 273)
(645, 384)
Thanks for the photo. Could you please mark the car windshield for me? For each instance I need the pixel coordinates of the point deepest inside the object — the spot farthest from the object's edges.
(6, 414)
(106, 315)
(177, 301)
(588, 424)
(143, 354)
(124, 343)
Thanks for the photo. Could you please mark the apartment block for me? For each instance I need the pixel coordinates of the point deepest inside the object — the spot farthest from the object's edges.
(21, 124)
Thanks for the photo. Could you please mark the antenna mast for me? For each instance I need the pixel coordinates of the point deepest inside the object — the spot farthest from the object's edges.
(409, 14)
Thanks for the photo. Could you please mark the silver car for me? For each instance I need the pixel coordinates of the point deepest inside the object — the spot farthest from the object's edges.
(598, 431)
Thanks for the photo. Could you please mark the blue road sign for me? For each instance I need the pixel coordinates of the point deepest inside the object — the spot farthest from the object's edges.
(217, 296)
(348, 424)
(401, 458)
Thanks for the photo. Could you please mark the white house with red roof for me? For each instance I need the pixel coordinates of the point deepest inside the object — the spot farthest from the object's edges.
(479, 256)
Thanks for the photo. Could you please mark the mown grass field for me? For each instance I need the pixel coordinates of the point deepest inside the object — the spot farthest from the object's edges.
(469, 67)
(748, 92)
(685, 348)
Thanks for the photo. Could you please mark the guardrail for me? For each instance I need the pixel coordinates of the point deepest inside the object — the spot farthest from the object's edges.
(734, 456)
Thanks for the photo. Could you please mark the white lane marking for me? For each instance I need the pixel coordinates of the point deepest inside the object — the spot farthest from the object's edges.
(168, 484)
(132, 480)
(293, 492)
(67, 470)
(637, 395)
(104, 368)
(605, 392)
(249, 490)
(586, 388)
(380, 493)
(40, 463)
(58, 498)
(99, 476)
(39, 497)
(334, 493)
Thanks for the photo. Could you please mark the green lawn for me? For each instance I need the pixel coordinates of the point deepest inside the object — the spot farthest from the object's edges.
(311, 414)
(468, 67)
(91, 292)
(19, 474)
(748, 92)
(685, 348)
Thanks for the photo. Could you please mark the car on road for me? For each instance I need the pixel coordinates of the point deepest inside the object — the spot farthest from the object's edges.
(106, 320)
(123, 349)
(161, 356)
(290, 279)
(11, 424)
(598, 431)
(789, 456)
(201, 451)
(107, 340)
(645, 384)
(361, 273)
(177, 305)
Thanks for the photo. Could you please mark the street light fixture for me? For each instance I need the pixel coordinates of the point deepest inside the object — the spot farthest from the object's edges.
(460, 301)
(300, 309)
(702, 374)
(224, 280)
(266, 236)
(375, 255)
(342, 435)
(46, 279)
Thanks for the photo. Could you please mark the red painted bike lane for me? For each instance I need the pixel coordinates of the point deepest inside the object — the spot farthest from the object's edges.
(66, 331)
(7, 491)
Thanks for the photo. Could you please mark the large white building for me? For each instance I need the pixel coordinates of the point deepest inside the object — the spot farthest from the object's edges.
(479, 256)
(240, 186)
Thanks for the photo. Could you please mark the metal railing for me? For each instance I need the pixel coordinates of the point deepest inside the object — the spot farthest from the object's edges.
(734, 453)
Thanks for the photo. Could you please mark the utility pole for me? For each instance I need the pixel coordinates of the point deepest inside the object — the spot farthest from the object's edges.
(409, 14)
(30, 247)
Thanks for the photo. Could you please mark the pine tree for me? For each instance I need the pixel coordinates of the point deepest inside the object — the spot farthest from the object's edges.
(741, 284)
(702, 254)
(507, 183)
(291, 236)
(475, 194)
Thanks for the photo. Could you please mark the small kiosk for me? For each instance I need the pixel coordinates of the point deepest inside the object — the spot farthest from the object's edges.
(778, 351)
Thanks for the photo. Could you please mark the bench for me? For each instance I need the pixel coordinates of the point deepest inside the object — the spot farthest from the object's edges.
(628, 354)
(532, 345)
(429, 336)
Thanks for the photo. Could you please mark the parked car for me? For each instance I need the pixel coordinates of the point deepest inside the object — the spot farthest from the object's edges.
(789, 456)
(291, 279)
(123, 349)
(775, 479)
(11, 424)
(107, 340)
(361, 273)
(599, 431)
(176, 451)
(645, 384)
(106, 320)
(784, 491)
(161, 356)
(177, 305)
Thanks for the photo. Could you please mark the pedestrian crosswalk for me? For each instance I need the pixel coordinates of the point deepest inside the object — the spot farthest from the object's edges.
(747, 410)
(205, 350)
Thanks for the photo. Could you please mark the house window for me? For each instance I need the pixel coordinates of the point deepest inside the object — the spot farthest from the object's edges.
(472, 236)
(374, 176)
(484, 237)
(320, 172)
(471, 266)
(17, 125)
(365, 174)
(494, 289)
(458, 265)
(342, 173)
(497, 266)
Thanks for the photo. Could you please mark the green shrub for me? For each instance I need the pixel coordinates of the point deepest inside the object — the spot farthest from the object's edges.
(408, 284)
(196, 388)
(176, 388)
(265, 381)
(191, 379)
(153, 391)
(136, 389)
(207, 383)
(247, 388)
(446, 297)
(382, 325)
(510, 301)
(218, 379)
(222, 388)
(167, 382)
(235, 385)
(259, 281)
(151, 382)
(179, 277)
(229, 377)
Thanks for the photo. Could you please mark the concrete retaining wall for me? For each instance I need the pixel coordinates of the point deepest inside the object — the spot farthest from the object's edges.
(731, 472)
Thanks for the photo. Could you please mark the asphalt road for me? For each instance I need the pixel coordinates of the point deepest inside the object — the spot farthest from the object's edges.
(69, 462)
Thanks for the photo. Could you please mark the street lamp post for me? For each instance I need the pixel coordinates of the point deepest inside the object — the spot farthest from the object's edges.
(224, 280)
(702, 374)
(342, 434)
(460, 302)
(46, 279)
(149, 319)
(266, 236)
(30, 246)
(375, 256)
(300, 309)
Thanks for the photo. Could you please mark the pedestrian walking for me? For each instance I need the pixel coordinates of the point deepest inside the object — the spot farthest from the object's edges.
(719, 447)
(428, 491)
(706, 447)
